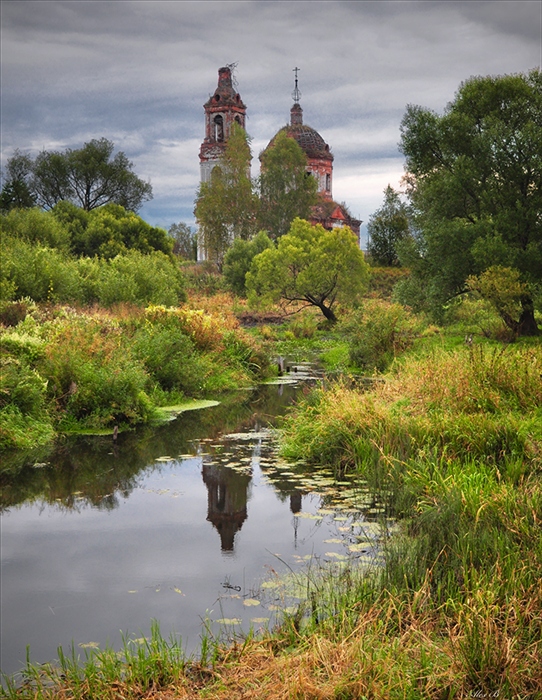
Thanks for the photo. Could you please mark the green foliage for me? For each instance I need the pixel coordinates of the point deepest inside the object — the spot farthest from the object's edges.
(504, 290)
(312, 265)
(48, 275)
(168, 356)
(110, 231)
(184, 240)
(35, 226)
(89, 177)
(474, 179)
(38, 273)
(65, 370)
(377, 333)
(386, 227)
(16, 192)
(226, 205)
(23, 418)
(286, 190)
(238, 260)
(133, 278)
(92, 379)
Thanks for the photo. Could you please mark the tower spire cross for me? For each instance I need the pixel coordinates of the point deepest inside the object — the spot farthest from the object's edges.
(296, 94)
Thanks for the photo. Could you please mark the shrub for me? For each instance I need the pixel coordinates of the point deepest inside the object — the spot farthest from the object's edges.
(39, 273)
(378, 332)
(92, 377)
(35, 226)
(238, 260)
(137, 278)
(168, 356)
(12, 312)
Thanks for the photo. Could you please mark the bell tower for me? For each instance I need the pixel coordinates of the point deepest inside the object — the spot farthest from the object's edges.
(222, 109)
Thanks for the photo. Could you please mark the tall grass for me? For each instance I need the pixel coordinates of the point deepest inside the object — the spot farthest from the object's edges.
(468, 403)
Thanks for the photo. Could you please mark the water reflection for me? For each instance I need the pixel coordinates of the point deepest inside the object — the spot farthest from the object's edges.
(98, 537)
(95, 472)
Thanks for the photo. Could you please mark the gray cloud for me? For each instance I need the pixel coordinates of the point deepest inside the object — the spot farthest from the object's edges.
(139, 73)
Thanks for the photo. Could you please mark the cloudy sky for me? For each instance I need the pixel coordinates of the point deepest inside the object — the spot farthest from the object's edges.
(138, 73)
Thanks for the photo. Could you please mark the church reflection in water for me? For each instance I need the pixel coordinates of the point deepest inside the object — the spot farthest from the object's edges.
(228, 475)
(227, 496)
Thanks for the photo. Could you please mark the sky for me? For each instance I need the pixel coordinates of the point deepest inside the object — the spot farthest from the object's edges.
(139, 72)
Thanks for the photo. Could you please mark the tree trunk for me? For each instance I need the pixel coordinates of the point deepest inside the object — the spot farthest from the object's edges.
(328, 313)
(527, 323)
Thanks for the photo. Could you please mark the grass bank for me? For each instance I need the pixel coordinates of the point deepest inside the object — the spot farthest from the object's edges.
(67, 369)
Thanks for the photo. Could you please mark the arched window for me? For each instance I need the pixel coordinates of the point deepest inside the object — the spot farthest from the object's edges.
(328, 182)
(218, 122)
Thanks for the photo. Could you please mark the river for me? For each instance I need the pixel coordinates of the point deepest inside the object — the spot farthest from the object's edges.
(188, 523)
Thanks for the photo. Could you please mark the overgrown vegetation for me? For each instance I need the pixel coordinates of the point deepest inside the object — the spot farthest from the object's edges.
(452, 442)
(66, 369)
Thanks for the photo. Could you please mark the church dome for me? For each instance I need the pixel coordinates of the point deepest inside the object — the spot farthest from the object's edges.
(308, 138)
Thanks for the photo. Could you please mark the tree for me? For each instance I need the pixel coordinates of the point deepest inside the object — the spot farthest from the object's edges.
(386, 227)
(287, 191)
(16, 192)
(238, 260)
(474, 178)
(312, 265)
(226, 205)
(89, 177)
(184, 240)
(109, 231)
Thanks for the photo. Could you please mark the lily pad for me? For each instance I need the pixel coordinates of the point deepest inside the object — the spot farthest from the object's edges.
(282, 380)
(271, 584)
(229, 621)
(171, 412)
(251, 601)
(308, 516)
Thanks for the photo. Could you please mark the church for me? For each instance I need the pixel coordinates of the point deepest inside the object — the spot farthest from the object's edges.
(225, 107)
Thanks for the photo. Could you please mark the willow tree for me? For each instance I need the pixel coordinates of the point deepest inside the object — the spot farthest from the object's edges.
(474, 177)
(311, 265)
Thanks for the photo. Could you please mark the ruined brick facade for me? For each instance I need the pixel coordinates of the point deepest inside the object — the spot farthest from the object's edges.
(222, 109)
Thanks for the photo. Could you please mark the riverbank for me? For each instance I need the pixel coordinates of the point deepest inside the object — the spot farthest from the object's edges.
(452, 442)
(68, 370)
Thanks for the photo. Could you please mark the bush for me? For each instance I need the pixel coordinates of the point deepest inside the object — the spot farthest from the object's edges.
(39, 273)
(238, 260)
(92, 378)
(168, 356)
(377, 333)
(136, 278)
(35, 226)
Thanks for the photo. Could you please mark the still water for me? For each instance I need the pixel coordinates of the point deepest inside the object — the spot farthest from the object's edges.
(186, 524)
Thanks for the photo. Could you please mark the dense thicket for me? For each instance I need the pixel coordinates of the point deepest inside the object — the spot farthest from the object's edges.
(68, 255)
